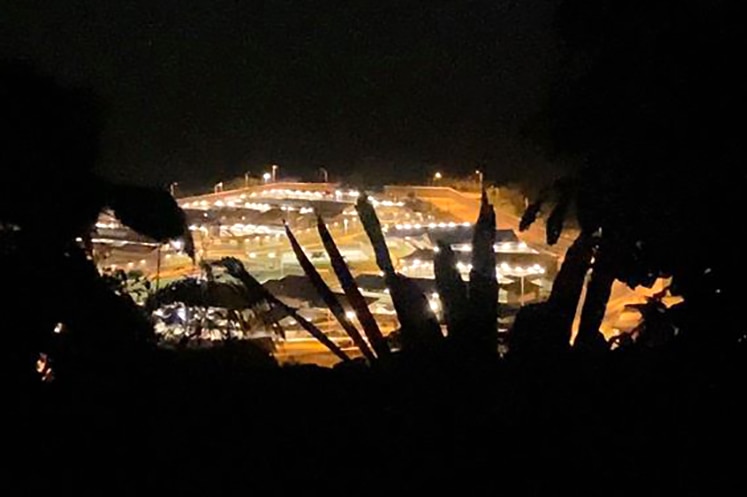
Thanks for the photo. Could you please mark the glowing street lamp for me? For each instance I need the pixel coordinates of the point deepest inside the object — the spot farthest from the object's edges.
(275, 172)
(437, 177)
(267, 177)
(479, 175)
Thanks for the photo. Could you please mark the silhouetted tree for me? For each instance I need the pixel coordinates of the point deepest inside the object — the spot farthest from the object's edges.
(49, 200)
(645, 108)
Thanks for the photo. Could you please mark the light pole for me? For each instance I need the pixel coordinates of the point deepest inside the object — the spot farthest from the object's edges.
(246, 179)
(325, 174)
(218, 187)
(275, 172)
(437, 177)
(479, 175)
(172, 187)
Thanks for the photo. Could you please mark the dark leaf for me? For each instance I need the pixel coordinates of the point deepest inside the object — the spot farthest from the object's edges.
(235, 268)
(328, 296)
(353, 294)
(530, 215)
(569, 283)
(419, 327)
(451, 289)
(372, 226)
(483, 287)
(595, 303)
(151, 212)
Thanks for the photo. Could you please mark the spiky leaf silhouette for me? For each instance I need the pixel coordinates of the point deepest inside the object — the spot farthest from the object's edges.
(556, 219)
(328, 296)
(530, 215)
(483, 286)
(598, 292)
(235, 268)
(419, 326)
(352, 292)
(452, 291)
(372, 227)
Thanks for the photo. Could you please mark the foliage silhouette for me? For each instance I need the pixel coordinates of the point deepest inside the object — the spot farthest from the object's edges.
(49, 201)
(329, 297)
(352, 292)
(235, 268)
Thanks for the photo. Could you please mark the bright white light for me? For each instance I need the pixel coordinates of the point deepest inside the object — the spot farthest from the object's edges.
(181, 313)
(252, 255)
(271, 255)
(436, 249)
(266, 176)
(522, 245)
(58, 328)
(350, 314)
(178, 245)
(218, 203)
(452, 224)
(142, 261)
(505, 267)
(434, 305)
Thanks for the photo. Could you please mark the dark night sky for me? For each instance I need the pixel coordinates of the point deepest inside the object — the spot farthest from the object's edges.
(198, 91)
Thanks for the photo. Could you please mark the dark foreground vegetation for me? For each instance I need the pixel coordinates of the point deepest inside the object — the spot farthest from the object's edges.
(658, 412)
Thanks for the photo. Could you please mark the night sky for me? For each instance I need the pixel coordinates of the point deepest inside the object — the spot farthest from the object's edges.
(200, 91)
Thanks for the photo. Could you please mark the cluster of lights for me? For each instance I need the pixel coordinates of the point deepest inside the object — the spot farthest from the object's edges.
(502, 247)
(385, 203)
(117, 242)
(501, 269)
(432, 226)
(240, 201)
(349, 193)
(204, 205)
(109, 226)
(288, 193)
(239, 229)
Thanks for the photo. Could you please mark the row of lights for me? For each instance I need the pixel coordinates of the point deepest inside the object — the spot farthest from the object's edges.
(442, 225)
(498, 247)
(503, 268)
